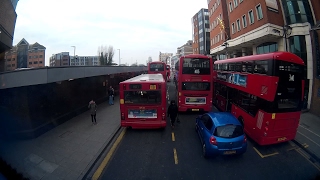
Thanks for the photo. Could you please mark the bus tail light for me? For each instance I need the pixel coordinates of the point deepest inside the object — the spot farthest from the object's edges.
(265, 134)
(122, 116)
(244, 139)
(163, 116)
(124, 87)
(266, 128)
(213, 140)
(210, 100)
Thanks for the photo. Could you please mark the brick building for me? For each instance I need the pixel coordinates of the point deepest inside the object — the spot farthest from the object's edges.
(8, 18)
(25, 55)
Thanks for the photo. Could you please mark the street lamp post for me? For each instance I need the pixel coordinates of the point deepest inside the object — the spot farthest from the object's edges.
(119, 57)
(226, 44)
(287, 30)
(74, 53)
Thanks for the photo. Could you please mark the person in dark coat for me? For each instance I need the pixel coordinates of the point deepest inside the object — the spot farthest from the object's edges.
(173, 112)
(93, 110)
(111, 95)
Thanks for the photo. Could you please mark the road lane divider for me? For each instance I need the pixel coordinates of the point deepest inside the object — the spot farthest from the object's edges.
(264, 156)
(105, 161)
(310, 131)
(309, 139)
(175, 156)
(172, 137)
(306, 156)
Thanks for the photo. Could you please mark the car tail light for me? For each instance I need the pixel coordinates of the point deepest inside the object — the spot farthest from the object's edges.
(122, 116)
(163, 116)
(213, 140)
(244, 139)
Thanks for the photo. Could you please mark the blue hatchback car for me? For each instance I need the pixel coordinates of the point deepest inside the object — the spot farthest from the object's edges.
(220, 134)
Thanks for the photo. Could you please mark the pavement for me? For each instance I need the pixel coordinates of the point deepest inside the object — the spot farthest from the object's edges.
(70, 151)
(67, 151)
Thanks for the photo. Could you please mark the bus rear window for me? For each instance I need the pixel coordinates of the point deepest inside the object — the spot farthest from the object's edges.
(142, 97)
(156, 67)
(196, 66)
(196, 86)
(228, 131)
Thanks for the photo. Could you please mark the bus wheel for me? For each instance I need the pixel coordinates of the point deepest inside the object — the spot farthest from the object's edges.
(241, 121)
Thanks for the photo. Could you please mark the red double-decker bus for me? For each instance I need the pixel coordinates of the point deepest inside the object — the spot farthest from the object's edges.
(143, 102)
(194, 82)
(168, 72)
(156, 67)
(265, 92)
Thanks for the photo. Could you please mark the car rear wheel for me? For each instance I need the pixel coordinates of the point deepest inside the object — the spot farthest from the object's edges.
(204, 151)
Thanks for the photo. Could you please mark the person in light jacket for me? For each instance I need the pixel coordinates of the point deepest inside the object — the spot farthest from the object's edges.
(93, 110)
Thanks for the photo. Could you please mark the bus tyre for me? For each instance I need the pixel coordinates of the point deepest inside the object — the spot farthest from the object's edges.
(204, 151)
(241, 121)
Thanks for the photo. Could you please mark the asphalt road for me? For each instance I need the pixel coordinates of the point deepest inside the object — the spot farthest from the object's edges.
(176, 154)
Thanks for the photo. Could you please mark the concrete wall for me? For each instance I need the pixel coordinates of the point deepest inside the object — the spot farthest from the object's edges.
(30, 110)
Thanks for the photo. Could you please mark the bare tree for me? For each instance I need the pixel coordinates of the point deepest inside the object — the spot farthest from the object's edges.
(106, 54)
(110, 55)
(102, 55)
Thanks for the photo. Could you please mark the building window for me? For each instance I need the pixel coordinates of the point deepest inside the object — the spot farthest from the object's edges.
(297, 11)
(230, 6)
(244, 21)
(240, 1)
(251, 17)
(238, 25)
(40, 56)
(30, 57)
(267, 48)
(40, 62)
(35, 62)
(30, 62)
(259, 12)
(233, 28)
(235, 2)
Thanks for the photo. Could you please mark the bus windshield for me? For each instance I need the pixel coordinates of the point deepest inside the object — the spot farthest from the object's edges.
(156, 67)
(142, 97)
(196, 86)
(196, 66)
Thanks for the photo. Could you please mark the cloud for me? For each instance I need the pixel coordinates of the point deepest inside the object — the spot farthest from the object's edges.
(138, 28)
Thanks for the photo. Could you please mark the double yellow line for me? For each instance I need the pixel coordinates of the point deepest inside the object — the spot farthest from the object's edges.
(105, 161)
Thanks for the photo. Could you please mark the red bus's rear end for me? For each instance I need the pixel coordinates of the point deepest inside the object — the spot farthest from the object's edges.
(158, 67)
(143, 102)
(194, 76)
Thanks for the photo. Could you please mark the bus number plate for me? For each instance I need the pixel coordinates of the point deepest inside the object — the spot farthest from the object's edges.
(282, 139)
(195, 109)
(153, 86)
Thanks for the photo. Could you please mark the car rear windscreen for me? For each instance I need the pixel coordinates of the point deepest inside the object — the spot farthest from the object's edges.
(228, 131)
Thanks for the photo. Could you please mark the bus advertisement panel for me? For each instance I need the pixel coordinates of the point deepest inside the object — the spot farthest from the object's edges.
(194, 82)
(265, 92)
(143, 102)
(157, 67)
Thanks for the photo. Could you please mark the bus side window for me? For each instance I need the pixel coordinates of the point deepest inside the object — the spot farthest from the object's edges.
(261, 67)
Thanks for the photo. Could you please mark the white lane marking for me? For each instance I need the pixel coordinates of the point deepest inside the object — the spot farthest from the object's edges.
(309, 139)
(310, 131)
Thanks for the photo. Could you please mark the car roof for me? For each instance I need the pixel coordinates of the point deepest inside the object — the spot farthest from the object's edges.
(223, 118)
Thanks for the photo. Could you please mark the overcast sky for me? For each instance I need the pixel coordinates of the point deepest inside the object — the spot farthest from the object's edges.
(139, 28)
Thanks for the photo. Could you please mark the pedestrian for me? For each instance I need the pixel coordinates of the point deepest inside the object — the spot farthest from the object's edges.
(93, 110)
(172, 112)
(111, 95)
